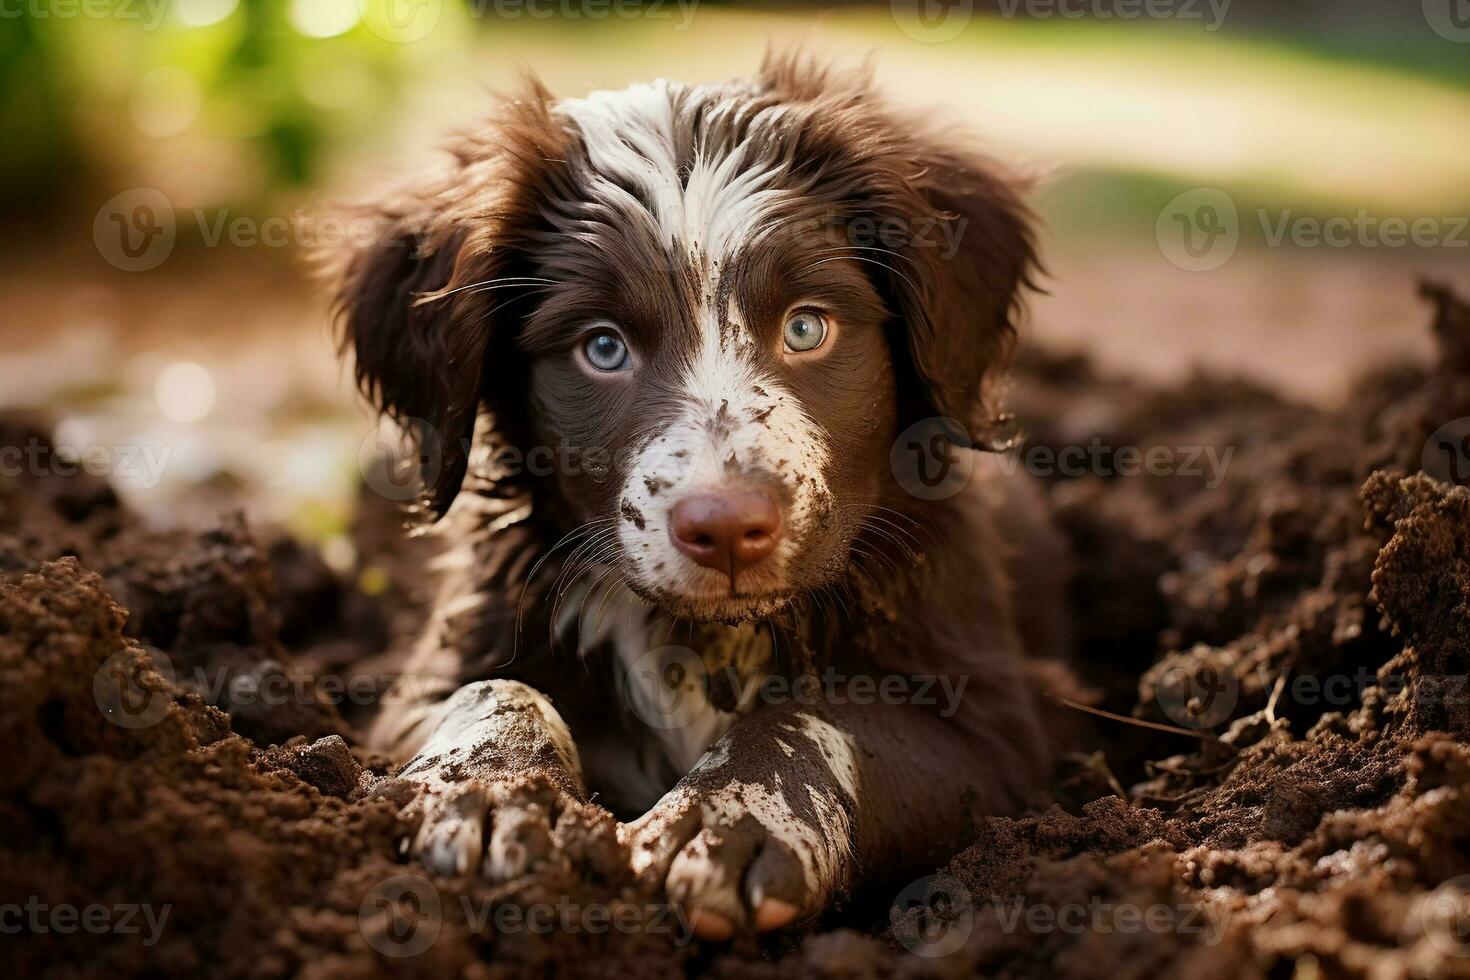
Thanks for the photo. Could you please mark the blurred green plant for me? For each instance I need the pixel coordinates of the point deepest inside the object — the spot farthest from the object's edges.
(240, 103)
(41, 151)
(248, 94)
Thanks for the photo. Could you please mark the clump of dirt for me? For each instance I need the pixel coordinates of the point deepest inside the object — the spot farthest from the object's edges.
(237, 842)
(1308, 637)
(1291, 616)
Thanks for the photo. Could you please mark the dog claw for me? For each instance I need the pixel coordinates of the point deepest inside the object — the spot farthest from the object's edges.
(774, 914)
(710, 927)
(448, 847)
(521, 838)
(452, 838)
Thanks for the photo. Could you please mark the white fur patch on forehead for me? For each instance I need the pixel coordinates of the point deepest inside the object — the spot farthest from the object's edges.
(722, 195)
(629, 139)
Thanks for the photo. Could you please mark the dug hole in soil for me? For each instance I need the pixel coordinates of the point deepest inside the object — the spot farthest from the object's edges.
(1299, 629)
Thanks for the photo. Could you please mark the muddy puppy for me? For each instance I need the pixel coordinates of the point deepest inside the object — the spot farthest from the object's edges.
(679, 356)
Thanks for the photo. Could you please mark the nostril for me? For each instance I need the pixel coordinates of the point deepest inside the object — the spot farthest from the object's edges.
(724, 531)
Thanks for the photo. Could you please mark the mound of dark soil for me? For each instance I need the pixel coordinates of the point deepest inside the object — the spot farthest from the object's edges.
(1293, 619)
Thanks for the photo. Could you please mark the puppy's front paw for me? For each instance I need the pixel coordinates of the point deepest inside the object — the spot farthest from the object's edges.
(747, 854)
(489, 785)
(499, 828)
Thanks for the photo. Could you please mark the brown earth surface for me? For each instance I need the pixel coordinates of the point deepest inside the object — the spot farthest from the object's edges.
(1298, 627)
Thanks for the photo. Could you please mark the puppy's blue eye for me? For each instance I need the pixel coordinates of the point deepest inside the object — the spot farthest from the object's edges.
(804, 331)
(606, 351)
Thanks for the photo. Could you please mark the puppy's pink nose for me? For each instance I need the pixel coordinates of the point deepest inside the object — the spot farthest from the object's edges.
(726, 531)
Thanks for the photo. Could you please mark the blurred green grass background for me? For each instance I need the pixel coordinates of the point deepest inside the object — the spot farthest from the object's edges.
(255, 105)
(262, 109)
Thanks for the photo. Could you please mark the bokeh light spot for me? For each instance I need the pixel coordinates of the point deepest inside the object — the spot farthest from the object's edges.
(202, 13)
(166, 102)
(324, 18)
(185, 392)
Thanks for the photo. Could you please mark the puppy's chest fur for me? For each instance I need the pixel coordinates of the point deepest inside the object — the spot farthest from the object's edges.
(671, 690)
(644, 695)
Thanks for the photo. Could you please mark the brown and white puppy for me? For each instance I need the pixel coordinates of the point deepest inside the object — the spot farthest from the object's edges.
(658, 345)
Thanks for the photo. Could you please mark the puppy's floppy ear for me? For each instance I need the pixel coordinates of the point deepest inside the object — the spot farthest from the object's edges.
(971, 255)
(414, 358)
(420, 305)
(943, 225)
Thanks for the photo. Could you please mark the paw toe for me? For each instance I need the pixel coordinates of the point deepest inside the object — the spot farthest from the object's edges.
(705, 877)
(657, 838)
(519, 840)
(777, 887)
(448, 841)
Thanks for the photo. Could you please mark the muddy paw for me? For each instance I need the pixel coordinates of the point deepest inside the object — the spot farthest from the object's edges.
(489, 785)
(742, 856)
(500, 829)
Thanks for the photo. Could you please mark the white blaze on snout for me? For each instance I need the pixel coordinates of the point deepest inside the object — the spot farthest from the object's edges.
(736, 426)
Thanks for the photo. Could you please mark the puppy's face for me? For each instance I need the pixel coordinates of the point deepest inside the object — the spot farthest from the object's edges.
(706, 331)
(662, 289)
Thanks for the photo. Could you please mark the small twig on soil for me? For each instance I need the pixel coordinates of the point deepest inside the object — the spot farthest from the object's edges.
(1275, 696)
(1191, 772)
(1156, 726)
(1098, 763)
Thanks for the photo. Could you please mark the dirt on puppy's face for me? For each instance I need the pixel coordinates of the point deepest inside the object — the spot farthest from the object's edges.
(706, 311)
(738, 380)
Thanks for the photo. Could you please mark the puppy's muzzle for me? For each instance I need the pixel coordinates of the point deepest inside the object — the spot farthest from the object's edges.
(727, 531)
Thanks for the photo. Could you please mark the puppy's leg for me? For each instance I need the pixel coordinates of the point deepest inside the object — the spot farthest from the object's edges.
(777, 819)
(500, 759)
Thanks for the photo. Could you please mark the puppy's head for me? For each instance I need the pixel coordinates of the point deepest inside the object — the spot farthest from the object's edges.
(704, 311)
